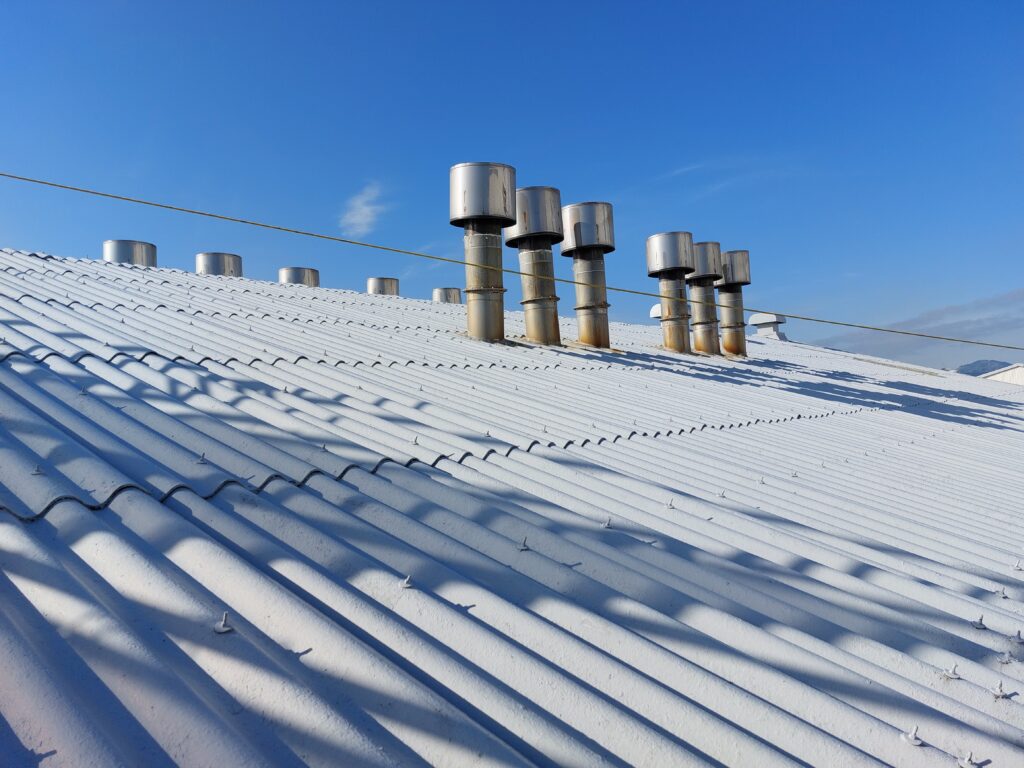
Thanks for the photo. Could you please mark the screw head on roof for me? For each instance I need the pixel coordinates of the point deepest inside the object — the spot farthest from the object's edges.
(1002, 593)
(523, 547)
(38, 470)
(202, 459)
(760, 480)
(1006, 658)
(951, 673)
(1017, 638)
(911, 737)
(1017, 566)
(999, 692)
(222, 627)
(407, 582)
(980, 623)
(967, 761)
(607, 523)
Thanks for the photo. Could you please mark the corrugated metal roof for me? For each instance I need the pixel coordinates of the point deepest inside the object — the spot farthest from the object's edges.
(436, 551)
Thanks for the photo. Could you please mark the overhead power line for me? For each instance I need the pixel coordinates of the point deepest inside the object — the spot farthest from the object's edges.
(449, 260)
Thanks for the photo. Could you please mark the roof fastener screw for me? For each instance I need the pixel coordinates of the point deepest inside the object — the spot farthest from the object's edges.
(1006, 658)
(1017, 638)
(38, 470)
(793, 474)
(415, 439)
(202, 459)
(407, 582)
(523, 547)
(999, 692)
(671, 503)
(760, 480)
(323, 447)
(951, 673)
(222, 627)
(911, 737)
(967, 761)
(607, 523)
(1002, 593)
(980, 623)
(721, 494)
(1017, 566)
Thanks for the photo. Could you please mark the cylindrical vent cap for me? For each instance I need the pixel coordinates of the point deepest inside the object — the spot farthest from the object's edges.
(299, 276)
(447, 296)
(538, 214)
(707, 261)
(215, 263)
(382, 286)
(482, 191)
(670, 252)
(588, 225)
(135, 252)
(735, 268)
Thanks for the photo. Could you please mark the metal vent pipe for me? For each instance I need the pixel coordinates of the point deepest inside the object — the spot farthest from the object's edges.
(299, 276)
(226, 264)
(735, 274)
(482, 200)
(538, 227)
(707, 269)
(670, 259)
(447, 296)
(382, 286)
(135, 252)
(589, 234)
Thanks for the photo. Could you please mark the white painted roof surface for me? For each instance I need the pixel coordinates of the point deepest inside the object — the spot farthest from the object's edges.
(436, 551)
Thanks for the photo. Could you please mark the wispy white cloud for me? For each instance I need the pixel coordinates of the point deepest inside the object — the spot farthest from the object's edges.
(998, 319)
(684, 169)
(362, 211)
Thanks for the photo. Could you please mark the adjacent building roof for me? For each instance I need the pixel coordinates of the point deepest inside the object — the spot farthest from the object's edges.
(255, 524)
(1011, 374)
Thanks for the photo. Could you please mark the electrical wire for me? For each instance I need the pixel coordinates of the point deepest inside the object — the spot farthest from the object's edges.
(446, 259)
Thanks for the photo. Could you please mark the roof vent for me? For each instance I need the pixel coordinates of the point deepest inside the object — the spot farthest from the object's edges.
(447, 296)
(589, 235)
(538, 227)
(707, 269)
(382, 286)
(735, 274)
(482, 200)
(767, 324)
(213, 263)
(299, 276)
(670, 258)
(129, 252)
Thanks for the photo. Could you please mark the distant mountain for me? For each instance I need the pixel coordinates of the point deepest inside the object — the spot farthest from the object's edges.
(981, 367)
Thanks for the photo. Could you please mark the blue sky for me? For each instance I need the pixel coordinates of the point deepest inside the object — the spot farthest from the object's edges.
(870, 155)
